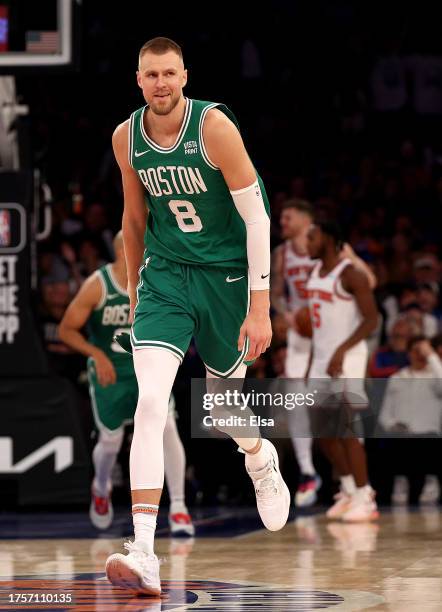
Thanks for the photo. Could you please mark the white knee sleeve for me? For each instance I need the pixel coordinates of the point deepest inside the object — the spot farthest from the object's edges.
(174, 460)
(156, 370)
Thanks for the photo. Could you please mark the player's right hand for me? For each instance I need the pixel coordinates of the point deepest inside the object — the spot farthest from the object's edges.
(105, 370)
(258, 329)
(336, 363)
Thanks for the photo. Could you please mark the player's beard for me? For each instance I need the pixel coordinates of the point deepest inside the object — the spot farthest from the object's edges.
(165, 109)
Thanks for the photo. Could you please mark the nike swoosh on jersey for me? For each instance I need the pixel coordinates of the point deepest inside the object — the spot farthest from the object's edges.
(139, 154)
(232, 280)
(111, 296)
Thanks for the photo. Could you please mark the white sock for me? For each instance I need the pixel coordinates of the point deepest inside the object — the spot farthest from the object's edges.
(348, 484)
(145, 522)
(361, 492)
(258, 460)
(303, 452)
(178, 507)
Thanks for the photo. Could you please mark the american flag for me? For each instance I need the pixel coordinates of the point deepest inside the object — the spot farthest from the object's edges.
(5, 228)
(42, 42)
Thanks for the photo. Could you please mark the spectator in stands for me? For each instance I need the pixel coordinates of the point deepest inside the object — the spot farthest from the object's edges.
(407, 305)
(64, 221)
(412, 408)
(50, 263)
(427, 269)
(96, 227)
(437, 345)
(426, 323)
(399, 259)
(428, 299)
(416, 406)
(388, 359)
(89, 257)
(55, 297)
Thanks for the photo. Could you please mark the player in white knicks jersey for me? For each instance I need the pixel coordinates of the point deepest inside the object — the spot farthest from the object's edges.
(291, 267)
(343, 313)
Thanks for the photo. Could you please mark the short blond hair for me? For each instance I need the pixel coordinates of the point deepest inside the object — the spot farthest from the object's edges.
(159, 46)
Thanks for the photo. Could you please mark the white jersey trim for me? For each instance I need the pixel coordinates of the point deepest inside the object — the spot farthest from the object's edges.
(131, 139)
(337, 270)
(339, 290)
(181, 133)
(102, 301)
(235, 366)
(156, 344)
(201, 138)
(114, 281)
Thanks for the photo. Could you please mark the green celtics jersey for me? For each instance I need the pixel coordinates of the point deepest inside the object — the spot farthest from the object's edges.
(109, 317)
(192, 217)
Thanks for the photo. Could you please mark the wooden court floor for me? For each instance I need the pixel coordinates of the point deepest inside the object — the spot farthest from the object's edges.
(312, 564)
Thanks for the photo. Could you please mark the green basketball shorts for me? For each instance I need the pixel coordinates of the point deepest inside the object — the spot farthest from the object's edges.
(177, 302)
(113, 406)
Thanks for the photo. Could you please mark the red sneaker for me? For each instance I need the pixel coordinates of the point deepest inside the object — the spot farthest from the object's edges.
(101, 511)
(180, 524)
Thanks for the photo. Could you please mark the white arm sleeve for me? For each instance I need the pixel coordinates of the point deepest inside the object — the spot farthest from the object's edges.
(250, 205)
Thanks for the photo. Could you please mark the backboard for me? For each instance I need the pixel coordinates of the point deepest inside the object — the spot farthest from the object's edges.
(37, 36)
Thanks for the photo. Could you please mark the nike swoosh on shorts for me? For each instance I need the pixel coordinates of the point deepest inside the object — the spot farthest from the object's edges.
(232, 280)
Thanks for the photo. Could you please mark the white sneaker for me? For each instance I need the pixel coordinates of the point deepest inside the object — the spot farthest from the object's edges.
(431, 491)
(362, 507)
(342, 502)
(101, 511)
(181, 525)
(137, 571)
(272, 494)
(399, 496)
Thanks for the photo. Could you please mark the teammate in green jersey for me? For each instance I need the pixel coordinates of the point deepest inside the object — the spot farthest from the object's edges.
(102, 304)
(196, 221)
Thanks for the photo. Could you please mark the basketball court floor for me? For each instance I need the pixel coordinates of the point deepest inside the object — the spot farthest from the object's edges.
(232, 564)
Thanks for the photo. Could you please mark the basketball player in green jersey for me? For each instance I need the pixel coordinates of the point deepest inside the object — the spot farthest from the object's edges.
(103, 305)
(196, 220)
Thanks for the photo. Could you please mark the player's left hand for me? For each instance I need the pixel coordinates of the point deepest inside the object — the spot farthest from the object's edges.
(258, 329)
(336, 363)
